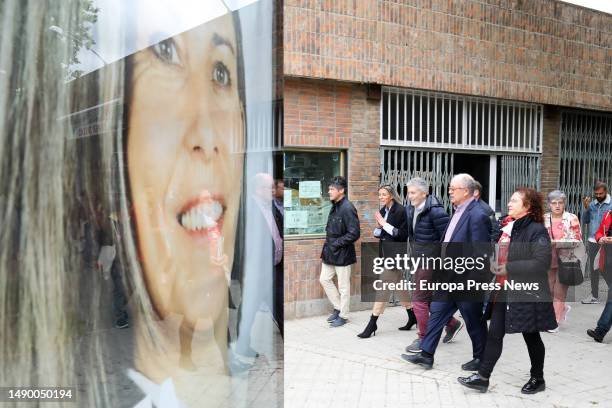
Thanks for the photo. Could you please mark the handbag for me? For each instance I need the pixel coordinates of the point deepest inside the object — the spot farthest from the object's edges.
(570, 272)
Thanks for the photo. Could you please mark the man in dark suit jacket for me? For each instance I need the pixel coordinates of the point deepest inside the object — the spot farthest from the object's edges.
(263, 277)
(495, 231)
(278, 280)
(466, 236)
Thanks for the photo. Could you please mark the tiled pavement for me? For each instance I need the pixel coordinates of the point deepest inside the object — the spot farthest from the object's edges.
(331, 367)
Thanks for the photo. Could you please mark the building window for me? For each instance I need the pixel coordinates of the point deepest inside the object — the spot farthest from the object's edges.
(411, 118)
(585, 152)
(306, 203)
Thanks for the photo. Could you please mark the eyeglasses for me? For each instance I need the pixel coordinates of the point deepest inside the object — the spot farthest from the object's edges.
(451, 189)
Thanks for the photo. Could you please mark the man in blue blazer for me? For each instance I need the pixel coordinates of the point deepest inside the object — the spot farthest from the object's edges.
(466, 236)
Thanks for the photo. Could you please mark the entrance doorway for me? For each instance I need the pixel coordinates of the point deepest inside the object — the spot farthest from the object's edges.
(479, 167)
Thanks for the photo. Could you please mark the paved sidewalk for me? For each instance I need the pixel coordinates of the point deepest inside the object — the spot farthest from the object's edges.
(331, 367)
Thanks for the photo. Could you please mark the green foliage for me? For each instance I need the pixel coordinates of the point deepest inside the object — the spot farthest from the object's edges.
(81, 34)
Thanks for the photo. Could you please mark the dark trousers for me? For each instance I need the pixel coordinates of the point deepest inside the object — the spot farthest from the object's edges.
(592, 249)
(605, 320)
(119, 298)
(278, 309)
(442, 311)
(495, 340)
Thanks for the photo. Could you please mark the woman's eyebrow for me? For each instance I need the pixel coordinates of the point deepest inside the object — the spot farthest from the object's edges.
(218, 40)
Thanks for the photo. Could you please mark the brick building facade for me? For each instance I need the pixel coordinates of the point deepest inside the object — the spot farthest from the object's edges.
(341, 56)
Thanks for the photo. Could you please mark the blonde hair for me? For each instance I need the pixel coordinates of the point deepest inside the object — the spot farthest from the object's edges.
(39, 309)
(49, 301)
(391, 191)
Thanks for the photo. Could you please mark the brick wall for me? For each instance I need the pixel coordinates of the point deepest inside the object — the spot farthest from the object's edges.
(330, 114)
(541, 51)
(317, 113)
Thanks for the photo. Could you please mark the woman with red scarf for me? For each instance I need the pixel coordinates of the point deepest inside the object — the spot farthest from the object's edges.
(524, 257)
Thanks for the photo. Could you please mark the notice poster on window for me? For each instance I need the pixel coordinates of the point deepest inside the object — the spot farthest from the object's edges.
(287, 198)
(296, 219)
(316, 218)
(310, 189)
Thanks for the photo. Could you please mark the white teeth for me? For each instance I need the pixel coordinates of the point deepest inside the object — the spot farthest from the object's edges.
(202, 216)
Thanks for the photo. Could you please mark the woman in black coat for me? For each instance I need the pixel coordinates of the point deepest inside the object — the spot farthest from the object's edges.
(524, 258)
(392, 231)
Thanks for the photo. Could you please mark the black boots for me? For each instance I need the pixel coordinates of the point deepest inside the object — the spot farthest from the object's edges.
(370, 328)
(423, 359)
(475, 382)
(411, 320)
(596, 335)
(472, 365)
(534, 385)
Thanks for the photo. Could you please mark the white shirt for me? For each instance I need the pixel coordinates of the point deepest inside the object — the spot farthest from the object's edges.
(417, 210)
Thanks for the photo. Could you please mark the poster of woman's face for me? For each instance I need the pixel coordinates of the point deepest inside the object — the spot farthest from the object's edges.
(185, 163)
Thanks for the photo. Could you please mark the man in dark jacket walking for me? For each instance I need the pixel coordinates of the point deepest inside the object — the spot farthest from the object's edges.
(494, 232)
(338, 252)
(427, 221)
(466, 236)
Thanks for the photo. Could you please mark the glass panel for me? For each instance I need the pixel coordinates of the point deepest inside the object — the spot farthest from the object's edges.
(306, 202)
(139, 237)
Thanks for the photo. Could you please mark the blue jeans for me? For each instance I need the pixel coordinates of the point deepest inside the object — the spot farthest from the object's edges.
(605, 321)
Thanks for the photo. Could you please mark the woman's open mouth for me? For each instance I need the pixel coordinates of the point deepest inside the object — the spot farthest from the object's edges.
(202, 214)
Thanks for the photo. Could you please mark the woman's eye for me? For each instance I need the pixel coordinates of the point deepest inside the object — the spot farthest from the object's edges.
(167, 52)
(221, 74)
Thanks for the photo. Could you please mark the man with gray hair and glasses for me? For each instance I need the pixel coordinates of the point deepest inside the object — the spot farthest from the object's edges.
(427, 221)
(593, 214)
(466, 236)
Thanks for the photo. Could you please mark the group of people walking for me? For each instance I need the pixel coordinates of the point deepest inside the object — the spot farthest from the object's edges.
(530, 245)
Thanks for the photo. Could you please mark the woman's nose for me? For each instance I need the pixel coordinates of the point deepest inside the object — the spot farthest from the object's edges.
(200, 140)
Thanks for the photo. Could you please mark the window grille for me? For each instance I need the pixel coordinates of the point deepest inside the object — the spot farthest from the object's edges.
(585, 154)
(421, 119)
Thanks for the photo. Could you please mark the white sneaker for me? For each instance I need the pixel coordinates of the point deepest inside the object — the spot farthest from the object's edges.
(554, 330)
(590, 300)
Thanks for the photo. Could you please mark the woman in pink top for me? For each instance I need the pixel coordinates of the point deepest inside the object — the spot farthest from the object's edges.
(566, 237)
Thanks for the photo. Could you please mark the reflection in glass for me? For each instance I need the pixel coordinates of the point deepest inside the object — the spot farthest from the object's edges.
(125, 205)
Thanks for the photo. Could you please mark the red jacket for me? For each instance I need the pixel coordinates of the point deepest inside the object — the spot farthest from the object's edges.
(606, 224)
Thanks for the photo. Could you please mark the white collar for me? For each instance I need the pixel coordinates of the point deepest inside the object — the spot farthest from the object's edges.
(508, 228)
(422, 205)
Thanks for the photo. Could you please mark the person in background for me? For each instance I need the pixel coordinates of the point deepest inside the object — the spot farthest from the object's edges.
(565, 227)
(592, 215)
(427, 221)
(495, 232)
(265, 219)
(278, 294)
(604, 239)
(338, 253)
(524, 256)
(279, 195)
(110, 267)
(391, 229)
